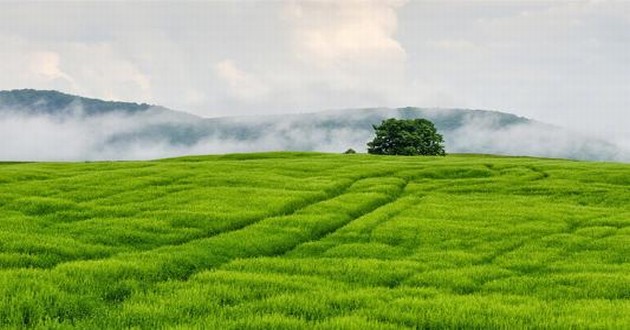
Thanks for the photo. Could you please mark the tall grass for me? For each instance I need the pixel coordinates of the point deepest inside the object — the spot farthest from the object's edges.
(295, 240)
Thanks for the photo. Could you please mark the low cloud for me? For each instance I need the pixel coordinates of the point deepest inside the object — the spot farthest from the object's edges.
(46, 137)
(158, 133)
(117, 136)
(532, 139)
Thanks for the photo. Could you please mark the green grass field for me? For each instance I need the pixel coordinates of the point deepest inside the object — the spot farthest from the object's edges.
(297, 240)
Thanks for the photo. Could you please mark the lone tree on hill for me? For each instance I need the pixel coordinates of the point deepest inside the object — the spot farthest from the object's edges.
(407, 137)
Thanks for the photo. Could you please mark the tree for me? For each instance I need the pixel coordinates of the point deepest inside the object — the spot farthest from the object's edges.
(407, 137)
(350, 151)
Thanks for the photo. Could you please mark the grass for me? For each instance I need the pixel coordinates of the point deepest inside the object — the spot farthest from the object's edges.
(307, 240)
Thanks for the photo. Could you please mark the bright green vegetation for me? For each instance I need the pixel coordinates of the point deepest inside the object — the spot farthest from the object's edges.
(289, 240)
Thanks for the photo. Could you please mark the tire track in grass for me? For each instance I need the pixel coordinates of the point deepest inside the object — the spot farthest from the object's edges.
(284, 211)
(543, 174)
(335, 192)
(53, 225)
(80, 289)
(492, 257)
(282, 216)
(290, 208)
(203, 234)
(78, 204)
(365, 230)
(315, 233)
(334, 231)
(97, 285)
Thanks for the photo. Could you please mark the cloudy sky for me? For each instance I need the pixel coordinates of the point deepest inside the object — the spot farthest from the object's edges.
(563, 62)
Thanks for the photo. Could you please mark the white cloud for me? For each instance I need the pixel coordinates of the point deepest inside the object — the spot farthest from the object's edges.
(558, 61)
(337, 32)
(45, 64)
(342, 54)
(241, 84)
(100, 71)
(23, 64)
(90, 69)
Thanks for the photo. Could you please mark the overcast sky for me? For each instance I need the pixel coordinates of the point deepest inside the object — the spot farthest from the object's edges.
(563, 62)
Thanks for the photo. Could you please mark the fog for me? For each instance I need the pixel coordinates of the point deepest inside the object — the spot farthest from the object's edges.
(78, 138)
(533, 139)
(157, 133)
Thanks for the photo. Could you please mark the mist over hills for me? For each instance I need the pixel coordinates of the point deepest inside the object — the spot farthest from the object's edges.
(49, 125)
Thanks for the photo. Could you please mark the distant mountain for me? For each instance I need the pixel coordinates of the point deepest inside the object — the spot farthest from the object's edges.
(49, 125)
(36, 102)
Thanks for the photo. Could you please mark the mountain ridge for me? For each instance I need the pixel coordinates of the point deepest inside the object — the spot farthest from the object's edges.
(127, 130)
(53, 102)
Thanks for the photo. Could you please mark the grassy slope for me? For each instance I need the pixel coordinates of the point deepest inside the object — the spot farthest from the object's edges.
(289, 240)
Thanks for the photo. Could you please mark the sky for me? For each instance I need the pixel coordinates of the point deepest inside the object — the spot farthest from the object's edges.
(562, 62)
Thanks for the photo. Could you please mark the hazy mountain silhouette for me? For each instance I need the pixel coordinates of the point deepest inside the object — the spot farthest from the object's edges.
(124, 130)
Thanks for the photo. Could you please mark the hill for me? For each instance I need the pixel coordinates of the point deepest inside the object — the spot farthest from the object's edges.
(37, 102)
(296, 240)
(48, 125)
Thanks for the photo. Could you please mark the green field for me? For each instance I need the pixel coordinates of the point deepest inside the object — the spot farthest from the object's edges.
(296, 240)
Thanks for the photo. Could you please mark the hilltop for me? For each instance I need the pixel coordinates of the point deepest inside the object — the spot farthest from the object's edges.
(54, 103)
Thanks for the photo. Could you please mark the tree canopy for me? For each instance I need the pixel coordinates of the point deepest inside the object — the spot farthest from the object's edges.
(407, 137)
